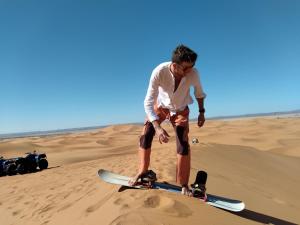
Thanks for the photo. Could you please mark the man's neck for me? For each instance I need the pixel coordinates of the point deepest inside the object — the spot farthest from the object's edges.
(173, 72)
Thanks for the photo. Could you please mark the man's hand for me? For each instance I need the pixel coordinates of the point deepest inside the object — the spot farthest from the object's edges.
(201, 119)
(163, 136)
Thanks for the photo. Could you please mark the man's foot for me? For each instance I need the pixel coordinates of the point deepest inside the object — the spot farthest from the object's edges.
(134, 180)
(147, 178)
(186, 191)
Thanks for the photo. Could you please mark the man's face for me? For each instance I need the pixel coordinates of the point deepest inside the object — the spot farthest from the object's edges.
(183, 69)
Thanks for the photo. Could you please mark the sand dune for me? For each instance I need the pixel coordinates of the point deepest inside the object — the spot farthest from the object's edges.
(256, 160)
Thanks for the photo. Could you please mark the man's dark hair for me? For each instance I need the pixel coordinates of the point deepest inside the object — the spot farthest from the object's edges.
(183, 54)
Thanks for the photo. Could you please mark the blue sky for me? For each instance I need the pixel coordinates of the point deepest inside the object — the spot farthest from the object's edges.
(66, 64)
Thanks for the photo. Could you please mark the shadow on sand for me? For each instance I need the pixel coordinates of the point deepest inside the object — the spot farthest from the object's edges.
(53, 167)
(261, 218)
(123, 188)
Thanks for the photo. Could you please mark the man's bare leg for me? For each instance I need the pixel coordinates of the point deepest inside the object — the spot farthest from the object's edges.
(183, 169)
(144, 160)
(144, 156)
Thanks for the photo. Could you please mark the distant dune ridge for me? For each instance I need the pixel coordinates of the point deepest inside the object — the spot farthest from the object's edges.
(293, 113)
(256, 160)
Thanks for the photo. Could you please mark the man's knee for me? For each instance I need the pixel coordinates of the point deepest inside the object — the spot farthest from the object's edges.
(183, 149)
(183, 146)
(147, 136)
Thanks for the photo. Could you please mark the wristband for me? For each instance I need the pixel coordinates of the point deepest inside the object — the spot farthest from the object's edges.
(202, 110)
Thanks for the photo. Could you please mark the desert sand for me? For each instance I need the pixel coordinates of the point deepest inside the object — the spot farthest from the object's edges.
(256, 160)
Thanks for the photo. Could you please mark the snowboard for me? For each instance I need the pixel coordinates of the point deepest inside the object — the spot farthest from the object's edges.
(213, 200)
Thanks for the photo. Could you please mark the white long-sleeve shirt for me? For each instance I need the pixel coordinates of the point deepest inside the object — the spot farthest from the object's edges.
(161, 90)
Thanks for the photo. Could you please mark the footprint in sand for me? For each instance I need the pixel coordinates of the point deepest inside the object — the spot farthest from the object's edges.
(20, 198)
(15, 213)
(46, 208)
(94, 207)
(46, 222)
(123, 203)
(85, 180)
(152, 202)
(168, 205)
(64, 207)
(98, 204)
(128, 219)
(118, 201)
(49, 196)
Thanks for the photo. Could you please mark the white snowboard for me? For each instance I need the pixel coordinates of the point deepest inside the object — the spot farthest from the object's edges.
(213, 200)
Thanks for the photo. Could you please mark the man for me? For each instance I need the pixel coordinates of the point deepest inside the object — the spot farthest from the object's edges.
(168, 97)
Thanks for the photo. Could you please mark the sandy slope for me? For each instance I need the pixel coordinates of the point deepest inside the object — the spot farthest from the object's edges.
(256, 160)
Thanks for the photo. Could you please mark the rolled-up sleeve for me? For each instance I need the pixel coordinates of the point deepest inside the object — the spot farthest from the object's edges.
(198, 90)
(151, 96)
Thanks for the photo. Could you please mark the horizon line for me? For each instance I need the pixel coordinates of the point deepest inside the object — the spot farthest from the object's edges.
(78, 129)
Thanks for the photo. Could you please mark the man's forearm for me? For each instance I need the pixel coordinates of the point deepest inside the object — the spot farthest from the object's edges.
(155, 124)
(201, 105)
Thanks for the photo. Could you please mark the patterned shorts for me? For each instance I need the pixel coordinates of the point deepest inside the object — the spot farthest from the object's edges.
(180, 123)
